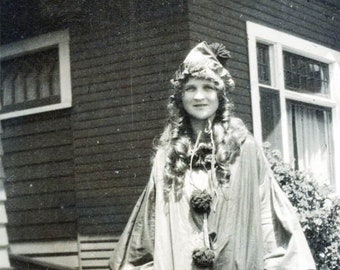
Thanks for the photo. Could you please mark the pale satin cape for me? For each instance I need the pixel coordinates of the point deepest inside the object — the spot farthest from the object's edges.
(253, 221)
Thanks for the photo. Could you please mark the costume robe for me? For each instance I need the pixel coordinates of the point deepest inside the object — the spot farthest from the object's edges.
(254, 225)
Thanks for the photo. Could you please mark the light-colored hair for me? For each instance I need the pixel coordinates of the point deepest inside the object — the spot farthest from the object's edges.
(177, 137)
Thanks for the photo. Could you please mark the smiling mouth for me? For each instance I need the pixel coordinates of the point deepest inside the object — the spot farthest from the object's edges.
(200, 105)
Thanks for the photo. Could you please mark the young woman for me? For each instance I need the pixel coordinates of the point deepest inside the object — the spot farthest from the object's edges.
(211, 201)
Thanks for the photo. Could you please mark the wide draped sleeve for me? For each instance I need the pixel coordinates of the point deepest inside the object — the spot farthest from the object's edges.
(135, 249)
(285, 246)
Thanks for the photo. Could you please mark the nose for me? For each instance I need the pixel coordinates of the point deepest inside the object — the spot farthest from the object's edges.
(199, 95)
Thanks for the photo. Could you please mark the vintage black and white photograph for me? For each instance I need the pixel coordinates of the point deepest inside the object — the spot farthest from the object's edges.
(169, 135)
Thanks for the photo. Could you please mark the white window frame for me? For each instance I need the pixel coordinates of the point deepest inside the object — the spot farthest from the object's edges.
(280, 42)
(58, 39)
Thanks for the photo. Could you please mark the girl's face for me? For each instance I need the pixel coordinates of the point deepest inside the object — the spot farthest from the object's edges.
(200, 98)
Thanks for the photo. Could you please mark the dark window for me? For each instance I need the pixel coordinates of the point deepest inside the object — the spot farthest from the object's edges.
(271, 118)
(305, 75)
(263, 63)
(29, 81)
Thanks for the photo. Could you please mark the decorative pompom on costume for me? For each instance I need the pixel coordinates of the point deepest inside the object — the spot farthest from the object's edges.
(200, 201)
(203, 257)
(222, 54)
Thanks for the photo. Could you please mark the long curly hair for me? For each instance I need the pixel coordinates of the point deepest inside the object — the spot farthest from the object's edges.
(178, 137)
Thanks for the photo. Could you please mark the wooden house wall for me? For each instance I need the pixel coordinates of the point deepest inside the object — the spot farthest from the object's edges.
(120, 82)
(225, 21)
(38, 162)
(4, 259)
(81, 170)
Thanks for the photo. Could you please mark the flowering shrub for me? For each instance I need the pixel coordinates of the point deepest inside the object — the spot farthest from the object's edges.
(318, 209)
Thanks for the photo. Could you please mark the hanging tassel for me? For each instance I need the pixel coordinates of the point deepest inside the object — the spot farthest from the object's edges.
(201, 203)
(204, 257)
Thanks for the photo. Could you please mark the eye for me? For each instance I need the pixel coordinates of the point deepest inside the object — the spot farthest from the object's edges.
(209, 87)
(189, 88)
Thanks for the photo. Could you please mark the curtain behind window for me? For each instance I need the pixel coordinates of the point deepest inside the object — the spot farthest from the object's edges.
(310, 139)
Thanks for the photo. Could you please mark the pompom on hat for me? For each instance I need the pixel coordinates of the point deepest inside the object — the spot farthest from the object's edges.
(206, 61)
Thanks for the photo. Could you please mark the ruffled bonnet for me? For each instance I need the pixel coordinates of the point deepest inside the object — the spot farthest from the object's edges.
(206, 61)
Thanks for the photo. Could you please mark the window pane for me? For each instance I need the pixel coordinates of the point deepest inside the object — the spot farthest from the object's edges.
(271, 118)
(311, 140)
(263, 63)
(305, 75)
(28, 80)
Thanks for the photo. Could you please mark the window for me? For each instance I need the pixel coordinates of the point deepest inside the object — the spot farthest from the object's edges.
(35, 75)
(296, 100)
(305, 75)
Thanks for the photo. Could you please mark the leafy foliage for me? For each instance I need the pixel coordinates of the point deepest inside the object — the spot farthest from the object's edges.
(318, 209)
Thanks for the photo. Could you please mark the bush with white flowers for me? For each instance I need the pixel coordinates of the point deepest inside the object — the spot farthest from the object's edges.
(317, 206)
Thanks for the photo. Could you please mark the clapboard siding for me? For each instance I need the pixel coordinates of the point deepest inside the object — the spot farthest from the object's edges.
(115, 76)
(51, 231)
(43, 201)
(140, 62)
(96, 251)
(116, 209)
(38, 141)
(107, 148)
(102, 81)
(153, 114)
(314, 21)
(107, 157)
(130, 41)
(108, 178)
(116, 191)
(31, 128)
(105, 153)
(124, 56)
(113, 228)
(133, 136)
(120, 79)
(126, 128)
(48, 170)
(38, 156)
(40, 186)
(110, 183)
(128, 106)
(95, 115)
(106, 97)
(110, 71)
(135, 164)
(45, 216)
(116, 200)
(108, 90)
(4, 244)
